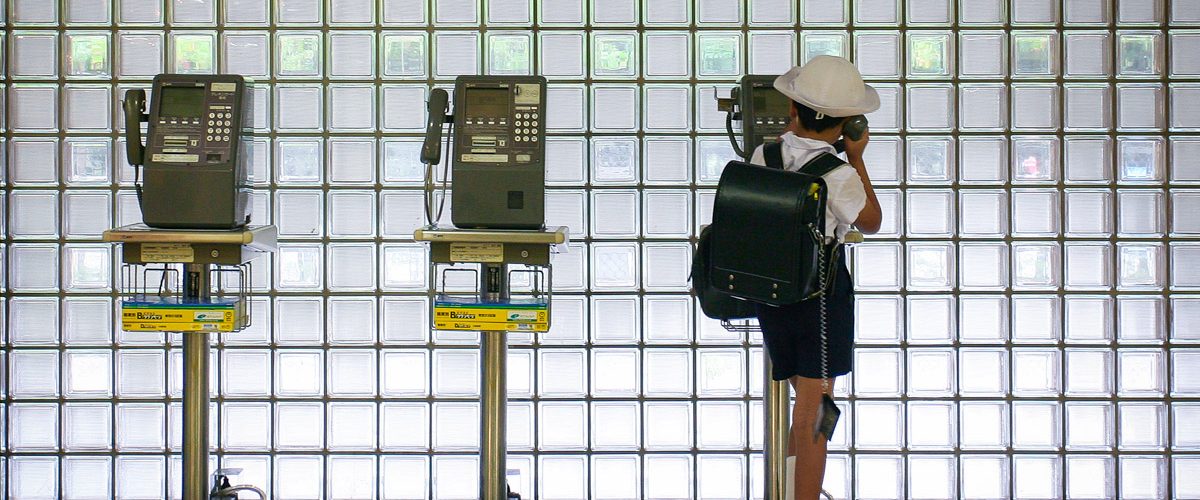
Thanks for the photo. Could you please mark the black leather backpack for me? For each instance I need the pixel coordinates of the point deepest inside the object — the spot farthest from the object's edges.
(766, 238)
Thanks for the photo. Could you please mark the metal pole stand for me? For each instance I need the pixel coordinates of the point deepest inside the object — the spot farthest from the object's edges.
(157, 297)
(493, 304)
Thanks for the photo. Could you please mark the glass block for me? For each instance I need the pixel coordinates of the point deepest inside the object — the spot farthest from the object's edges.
(87, 477)
(34, 55)
(1139, 54)
(1140, 213)
(1089, 107)
(86, 55)
(983, 319)
(614, 11)
(982, 107)
(1088, 54)
(404, 426)
(666, 53)
(932, 425)
(931, 476)
(1088, 212)
(1088, 160)
(1139, 107)
(720, 425)
(886, 475)
(668, 476)
(885, 379)
(193, 54)
(817, 44)
(32, 160)
(930, 266)
(883, 324)
(983, 425)
(34, 374)
(1035, 12)
(984, 266)
(983, 160)
(828, 12)
(666, 318)
(665, 372)
(614, 108)
(1036, 425)
(140, 11)
(930, 107)
(614, 55)
(351, 372)
(719, 12)
(1139, 266)
(888, 118)
(615, 476)
(33, 108)
(1034, 107)
(668, 426)
(87, 162)
(87, 373)
(1184, 364)
(1034, 54)
(877, 12)
(982, 12)
(615, 373)
(878, 425)
(931, 319)
(930, 161)
(931, 372)
(614, 266)
(878, 54)
(666, 160)
(1035, 212)
(1090, 477)
(1183, 109)
(1184, 201)
(930, 213)
(877, 266)
(985, 476)
(1037, 476)
(1184, 42)
(771, 52)
(1088, 319)
(984, 213)
(141, 374)
(79, 325)
(34, 214)
(246, 12)
(141, 427)
(1088, 266)
(983, 372)
(622, 428)
(1087, 12)
(671, 12)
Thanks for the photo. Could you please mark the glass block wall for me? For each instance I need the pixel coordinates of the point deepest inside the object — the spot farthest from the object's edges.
(1028, 318)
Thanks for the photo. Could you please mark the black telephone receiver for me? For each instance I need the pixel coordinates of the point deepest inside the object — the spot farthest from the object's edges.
(853, 129)
(135, 113)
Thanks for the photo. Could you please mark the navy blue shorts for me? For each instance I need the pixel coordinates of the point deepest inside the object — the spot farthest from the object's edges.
(792, 333)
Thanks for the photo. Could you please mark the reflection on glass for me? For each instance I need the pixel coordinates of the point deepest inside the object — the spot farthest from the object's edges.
(614, 55)
(928, 267)
(1031, 55)
(927, 55)
(1033, 160)
(89, 161)
(89, 268)
(404, 55)
(928, 161)
(614, 160)
(300, 162)
(1139, 265)
(1137, 54)
(1033, 265)
(194, 54)
(824, 46)
(719, 56)
(88, 56)
(402, 161)
(298, 55)
(1139, 160)
(713, 157)
(509, 55)
(299, 267)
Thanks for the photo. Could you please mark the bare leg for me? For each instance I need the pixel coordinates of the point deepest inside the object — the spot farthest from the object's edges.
(803, 442)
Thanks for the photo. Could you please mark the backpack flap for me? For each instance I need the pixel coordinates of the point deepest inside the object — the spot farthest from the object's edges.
(767, 231)
(714, 303)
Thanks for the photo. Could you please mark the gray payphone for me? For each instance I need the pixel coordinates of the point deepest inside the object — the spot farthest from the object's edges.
(765, 114)
(499, 151)
(194, 158)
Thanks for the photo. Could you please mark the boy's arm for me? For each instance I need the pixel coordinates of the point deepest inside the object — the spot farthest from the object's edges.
(871, 216)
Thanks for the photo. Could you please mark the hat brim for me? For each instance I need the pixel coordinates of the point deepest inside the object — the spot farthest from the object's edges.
(868, 104)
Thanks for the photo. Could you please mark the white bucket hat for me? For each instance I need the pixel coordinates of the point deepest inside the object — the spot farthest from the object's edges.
(829, 85)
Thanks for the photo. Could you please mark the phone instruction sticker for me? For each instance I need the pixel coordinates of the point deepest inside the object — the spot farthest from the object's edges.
(477, 252)
(168, 252)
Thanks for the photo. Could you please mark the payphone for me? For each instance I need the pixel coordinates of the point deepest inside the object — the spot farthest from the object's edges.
(195, 159)
(765, 114)
(498, 157)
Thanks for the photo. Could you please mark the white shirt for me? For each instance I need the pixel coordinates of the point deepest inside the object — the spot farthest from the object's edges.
(846, 195)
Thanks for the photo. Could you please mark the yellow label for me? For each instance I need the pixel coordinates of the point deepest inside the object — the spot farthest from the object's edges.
(490, 315)
(489, 327)
(150, 326)
(178, 315)
(477, 252)
(168, 252)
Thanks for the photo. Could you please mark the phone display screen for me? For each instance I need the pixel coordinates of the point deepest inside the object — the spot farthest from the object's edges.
(181, 102)
(492, 102)
(770, 102)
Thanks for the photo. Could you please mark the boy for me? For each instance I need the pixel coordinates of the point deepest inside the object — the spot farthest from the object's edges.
(825, 92)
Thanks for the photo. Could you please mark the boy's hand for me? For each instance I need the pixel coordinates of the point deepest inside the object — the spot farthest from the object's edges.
(854, 149)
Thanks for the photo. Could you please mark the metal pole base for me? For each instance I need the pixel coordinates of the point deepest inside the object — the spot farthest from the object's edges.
(777, 420)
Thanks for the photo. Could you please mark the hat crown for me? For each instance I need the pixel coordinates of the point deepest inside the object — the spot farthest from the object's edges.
(829, 84)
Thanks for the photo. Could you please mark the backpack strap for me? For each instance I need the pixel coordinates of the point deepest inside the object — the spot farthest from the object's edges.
(773, 154)
(821, 165)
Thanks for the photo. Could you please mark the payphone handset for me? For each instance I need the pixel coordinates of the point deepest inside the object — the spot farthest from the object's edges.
(498, 156)
(195, 156)
(765, 114)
